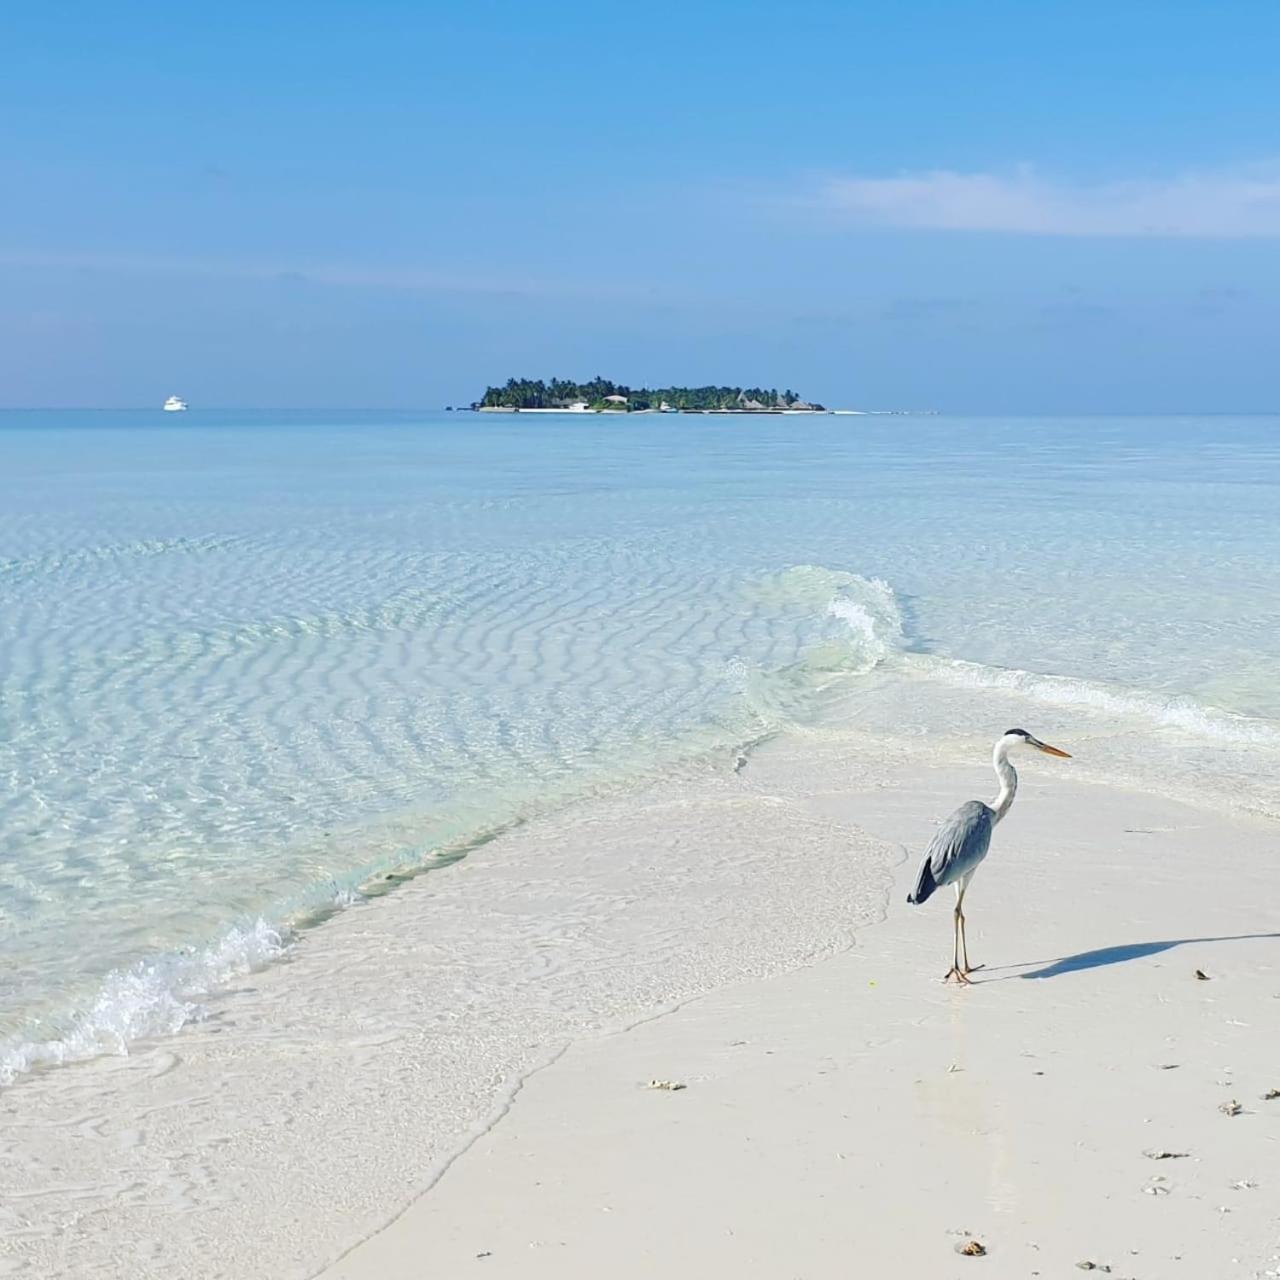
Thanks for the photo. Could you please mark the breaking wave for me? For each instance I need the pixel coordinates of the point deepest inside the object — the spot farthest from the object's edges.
(153, 997)
(871, 611)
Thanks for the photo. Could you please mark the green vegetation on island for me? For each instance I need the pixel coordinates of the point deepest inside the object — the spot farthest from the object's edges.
(604, 396)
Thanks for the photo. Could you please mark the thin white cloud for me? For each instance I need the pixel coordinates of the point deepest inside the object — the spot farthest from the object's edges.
(1227, 204)
(341, 276)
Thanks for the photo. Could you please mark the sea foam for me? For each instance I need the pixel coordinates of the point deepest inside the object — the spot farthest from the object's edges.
(153, 997)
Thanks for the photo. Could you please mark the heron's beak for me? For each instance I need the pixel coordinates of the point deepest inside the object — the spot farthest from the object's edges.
(1050, 751)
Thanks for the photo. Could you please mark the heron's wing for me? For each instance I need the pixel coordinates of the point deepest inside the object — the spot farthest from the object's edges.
(961, 842)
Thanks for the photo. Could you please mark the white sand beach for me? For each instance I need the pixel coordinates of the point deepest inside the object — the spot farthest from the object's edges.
(857, 1117)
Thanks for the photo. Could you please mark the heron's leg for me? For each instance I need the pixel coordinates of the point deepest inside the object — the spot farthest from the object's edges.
(957, 921)
(954, 971)
(964, 941)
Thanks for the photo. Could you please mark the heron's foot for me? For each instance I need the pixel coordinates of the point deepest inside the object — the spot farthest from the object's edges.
(973, 968)
(959, 975)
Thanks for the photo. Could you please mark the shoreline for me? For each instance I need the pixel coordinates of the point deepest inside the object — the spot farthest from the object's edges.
(424, 1006)
(361, 1062)
(163, 992)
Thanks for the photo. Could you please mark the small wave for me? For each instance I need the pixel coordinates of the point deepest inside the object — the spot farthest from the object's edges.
(153, 997)
(870, 609)
(777, 696)
(1174, 712)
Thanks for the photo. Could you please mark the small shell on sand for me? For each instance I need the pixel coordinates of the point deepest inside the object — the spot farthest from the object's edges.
(1166, 1155)
(670, 1085)
(972, 1249)
(1201, 975)
(1092, 1266)
(1271, 1095)
(1232, 1108)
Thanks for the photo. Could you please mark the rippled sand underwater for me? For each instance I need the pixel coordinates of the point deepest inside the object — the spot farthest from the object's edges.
(252, 665)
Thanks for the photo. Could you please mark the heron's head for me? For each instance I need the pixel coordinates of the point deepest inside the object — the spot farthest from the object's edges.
(1021, 738)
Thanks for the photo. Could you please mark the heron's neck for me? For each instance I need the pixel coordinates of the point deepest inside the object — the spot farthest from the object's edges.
(1008, 780)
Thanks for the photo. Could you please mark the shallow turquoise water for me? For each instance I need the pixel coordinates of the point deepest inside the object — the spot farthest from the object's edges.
(248, 662)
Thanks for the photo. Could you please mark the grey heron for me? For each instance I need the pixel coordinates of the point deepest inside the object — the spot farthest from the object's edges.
(961, 843)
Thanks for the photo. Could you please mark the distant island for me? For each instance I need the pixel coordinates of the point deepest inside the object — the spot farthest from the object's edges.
(602, 396)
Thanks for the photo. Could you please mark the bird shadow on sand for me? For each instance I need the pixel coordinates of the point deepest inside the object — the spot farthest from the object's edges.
(1115, 955)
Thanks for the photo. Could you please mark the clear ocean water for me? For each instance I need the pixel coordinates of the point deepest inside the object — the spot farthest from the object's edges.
(255, 665)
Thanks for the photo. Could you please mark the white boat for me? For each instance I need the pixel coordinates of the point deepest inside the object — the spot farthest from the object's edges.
(175, 404)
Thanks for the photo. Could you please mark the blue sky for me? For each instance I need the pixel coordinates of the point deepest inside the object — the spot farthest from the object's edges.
(1002, 207)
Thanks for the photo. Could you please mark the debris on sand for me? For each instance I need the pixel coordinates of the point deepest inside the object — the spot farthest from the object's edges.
(1232, 1108)
(1092, 1266)
(1201, 975)
(1156, 1187)
(972, 1249)
(671, 1086)
(1166, 1155)
(1271, 1095)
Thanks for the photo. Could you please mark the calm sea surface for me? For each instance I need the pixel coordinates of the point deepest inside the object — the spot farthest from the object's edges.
(251, 664)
